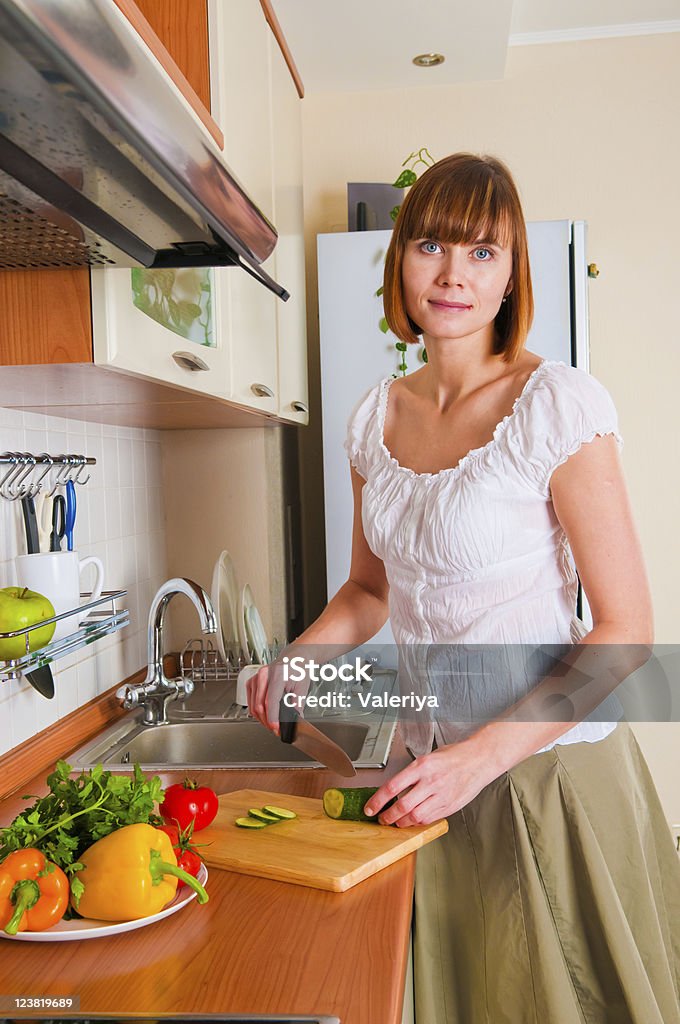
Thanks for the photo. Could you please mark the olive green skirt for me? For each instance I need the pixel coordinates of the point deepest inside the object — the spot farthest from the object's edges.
(554, 898)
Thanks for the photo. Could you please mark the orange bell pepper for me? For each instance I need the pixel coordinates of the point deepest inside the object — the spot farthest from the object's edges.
(34, 892)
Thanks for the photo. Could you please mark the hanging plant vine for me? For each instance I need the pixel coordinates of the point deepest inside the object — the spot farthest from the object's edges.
(407, 177)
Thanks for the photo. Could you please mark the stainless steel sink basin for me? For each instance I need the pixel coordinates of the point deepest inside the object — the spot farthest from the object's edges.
(198, 744)
(209, 730)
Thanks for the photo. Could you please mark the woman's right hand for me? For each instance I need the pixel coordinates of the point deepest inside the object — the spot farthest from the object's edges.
(265, 690)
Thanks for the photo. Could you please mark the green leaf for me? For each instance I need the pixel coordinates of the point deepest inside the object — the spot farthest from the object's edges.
(405, 179)
(173, 308)
(383, 325)
(394, 212)
(77, 890)
(403, 367)
(400, 346)
(188, 312)
(379, 292)
(423, 355)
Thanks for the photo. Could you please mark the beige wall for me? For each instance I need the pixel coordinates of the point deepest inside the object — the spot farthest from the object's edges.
(590, 131)
(222, 491)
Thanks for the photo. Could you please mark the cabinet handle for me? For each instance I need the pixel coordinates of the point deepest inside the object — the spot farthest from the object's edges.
(299, 406)
(262, 391)
(189, 361)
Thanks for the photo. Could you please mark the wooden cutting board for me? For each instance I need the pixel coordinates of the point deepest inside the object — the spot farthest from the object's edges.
(312, 849)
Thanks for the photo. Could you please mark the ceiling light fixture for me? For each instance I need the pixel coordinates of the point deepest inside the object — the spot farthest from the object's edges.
(428, 60)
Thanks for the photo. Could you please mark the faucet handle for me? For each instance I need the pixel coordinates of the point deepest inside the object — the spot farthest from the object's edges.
(128, 696)
(185, 686)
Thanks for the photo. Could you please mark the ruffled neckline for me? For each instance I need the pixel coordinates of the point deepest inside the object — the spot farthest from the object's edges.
(474, 453)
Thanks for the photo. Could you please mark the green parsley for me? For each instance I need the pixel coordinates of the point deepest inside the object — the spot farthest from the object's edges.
(79, 811)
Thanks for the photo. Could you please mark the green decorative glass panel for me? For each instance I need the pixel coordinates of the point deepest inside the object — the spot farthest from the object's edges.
(179, 299)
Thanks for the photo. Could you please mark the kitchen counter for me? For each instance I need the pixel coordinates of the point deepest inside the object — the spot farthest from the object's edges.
(257, 946)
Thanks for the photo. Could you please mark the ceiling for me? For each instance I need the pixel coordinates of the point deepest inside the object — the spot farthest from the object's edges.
(358, 45)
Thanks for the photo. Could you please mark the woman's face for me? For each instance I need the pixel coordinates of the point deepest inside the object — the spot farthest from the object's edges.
(452, 290)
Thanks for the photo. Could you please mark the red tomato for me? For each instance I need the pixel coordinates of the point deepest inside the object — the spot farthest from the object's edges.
(185, 802)
(187, 857)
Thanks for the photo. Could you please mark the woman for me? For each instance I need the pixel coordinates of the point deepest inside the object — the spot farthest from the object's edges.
(555, 895)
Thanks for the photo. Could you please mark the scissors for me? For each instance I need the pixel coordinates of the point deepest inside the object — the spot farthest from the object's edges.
(58, 523)
(70, 518)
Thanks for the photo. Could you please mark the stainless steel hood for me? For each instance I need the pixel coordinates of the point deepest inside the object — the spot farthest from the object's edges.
(101, 160)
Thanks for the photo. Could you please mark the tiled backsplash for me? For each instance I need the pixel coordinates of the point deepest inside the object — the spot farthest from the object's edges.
(120, 518)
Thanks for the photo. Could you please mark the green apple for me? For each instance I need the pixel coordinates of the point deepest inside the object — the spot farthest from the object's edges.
(21, 607)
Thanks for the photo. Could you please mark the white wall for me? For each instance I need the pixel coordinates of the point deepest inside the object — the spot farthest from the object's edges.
(120, 518)
(589, 130)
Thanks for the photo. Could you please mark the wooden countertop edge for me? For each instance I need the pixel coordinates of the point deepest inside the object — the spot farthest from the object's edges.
(147, 34)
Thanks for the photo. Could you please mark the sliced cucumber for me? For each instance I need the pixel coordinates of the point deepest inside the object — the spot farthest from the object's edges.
(250, 823)
(348, 804)
(263, 815)
(280, 812)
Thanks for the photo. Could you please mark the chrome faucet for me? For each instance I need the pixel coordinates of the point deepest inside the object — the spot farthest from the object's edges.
(157, 690)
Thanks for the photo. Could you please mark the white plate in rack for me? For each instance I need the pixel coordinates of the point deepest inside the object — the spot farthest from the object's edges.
(225, 598)
(86, 928)
(251, 631)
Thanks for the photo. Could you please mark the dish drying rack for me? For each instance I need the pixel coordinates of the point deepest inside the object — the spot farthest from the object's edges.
(201, 662)
(28, 473)
(99, 621)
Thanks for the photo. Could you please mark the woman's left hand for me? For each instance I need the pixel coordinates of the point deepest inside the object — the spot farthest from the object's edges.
(441, 783)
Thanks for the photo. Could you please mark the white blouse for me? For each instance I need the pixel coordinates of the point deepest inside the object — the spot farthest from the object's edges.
(474, 554)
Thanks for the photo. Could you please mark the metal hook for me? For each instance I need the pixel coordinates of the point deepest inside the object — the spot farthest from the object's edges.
(83, 460)
(45, 472)
(17, 488)
(75, 463)
(60, 476)
(6, 480)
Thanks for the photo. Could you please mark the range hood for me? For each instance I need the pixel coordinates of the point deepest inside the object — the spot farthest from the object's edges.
(102, 162)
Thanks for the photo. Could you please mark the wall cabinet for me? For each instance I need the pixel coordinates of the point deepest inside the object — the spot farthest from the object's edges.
(257, 356)
(255, 101)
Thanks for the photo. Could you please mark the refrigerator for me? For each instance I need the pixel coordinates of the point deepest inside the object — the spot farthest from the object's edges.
(355, 354)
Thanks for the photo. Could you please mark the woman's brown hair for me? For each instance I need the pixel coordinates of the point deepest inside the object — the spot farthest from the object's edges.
(458, 200)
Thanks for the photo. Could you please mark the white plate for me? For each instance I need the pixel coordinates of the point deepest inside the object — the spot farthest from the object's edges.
(85, 928)
(225, 599)
(253, 637)
(256, 634)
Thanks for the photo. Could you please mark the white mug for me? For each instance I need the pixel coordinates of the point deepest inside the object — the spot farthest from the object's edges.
(56, 575)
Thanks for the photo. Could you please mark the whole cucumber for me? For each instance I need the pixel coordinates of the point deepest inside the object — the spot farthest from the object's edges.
(348, 804)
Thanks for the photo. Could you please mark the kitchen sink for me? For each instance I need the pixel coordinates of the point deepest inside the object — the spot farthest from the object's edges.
(209, 731)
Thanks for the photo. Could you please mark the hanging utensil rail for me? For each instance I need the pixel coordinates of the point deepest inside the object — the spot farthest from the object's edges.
(29, 474)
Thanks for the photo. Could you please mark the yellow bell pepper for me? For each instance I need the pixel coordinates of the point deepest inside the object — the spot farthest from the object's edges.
(130, 873)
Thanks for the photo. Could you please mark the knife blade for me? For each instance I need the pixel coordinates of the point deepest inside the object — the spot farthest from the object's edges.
(42, 680)
(311, 741)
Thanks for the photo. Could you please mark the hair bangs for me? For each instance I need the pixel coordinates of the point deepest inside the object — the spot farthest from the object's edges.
(462, 212)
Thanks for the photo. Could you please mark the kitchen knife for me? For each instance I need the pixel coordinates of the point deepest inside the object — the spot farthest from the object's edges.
(42, 680)
(311, 741)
